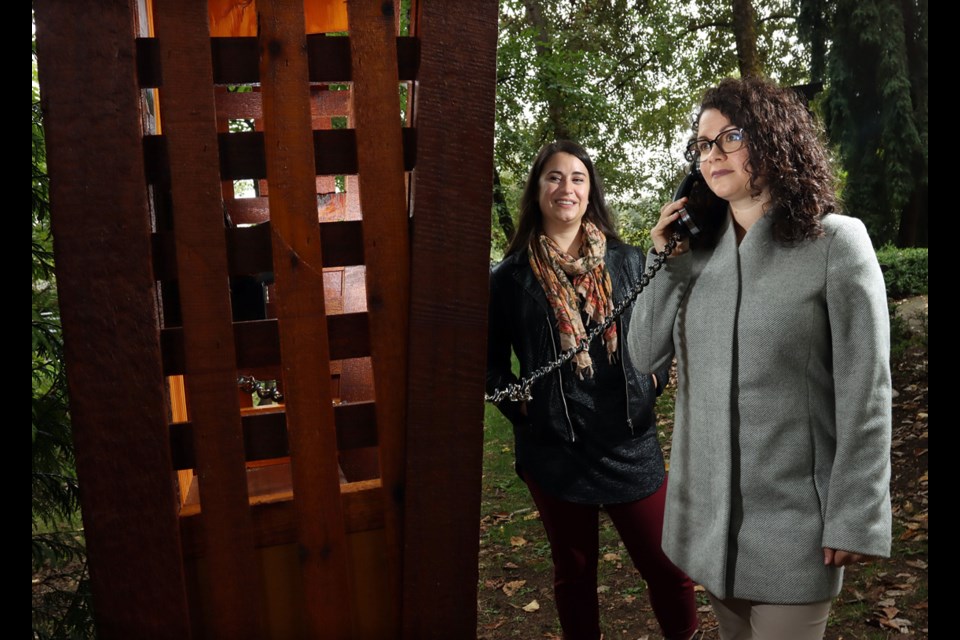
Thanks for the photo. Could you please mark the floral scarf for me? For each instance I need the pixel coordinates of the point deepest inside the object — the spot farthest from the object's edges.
(566, 281)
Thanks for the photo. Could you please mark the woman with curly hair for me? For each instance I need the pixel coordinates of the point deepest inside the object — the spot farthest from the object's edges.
(780, 465)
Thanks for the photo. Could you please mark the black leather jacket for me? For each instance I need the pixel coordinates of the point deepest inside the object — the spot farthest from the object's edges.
(521, 318)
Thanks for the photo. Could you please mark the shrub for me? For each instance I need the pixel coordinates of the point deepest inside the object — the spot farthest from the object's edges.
(904, 270)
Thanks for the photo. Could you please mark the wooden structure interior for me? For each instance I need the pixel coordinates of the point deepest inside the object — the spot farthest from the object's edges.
(292, 198)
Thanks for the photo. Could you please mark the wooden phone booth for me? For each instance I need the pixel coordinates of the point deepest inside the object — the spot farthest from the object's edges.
(271, 226)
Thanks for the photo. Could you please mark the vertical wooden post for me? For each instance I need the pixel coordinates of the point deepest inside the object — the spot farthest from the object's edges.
(234, 582)
(452, 193)
(376, 117)
(101, 227)
(304, 347)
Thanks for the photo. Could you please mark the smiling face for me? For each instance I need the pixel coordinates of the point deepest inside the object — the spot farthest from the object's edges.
(727, 174)
(564, 193)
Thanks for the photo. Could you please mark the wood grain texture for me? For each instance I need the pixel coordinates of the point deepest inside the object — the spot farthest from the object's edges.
(265, 433)
(236, 59)
(257, 342)
(454, 120)
(297, 258)
(275, 519)
(387, 251)
(250, 251)
(101, 229)
(233, 593)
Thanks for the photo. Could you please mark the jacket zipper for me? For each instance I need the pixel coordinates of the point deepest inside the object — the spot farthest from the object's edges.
(623, 366)
(566, 412)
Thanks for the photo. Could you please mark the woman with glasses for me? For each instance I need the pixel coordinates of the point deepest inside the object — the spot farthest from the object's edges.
(777, 316)
(587, 437)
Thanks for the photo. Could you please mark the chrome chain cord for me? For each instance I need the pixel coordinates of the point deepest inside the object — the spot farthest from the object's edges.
(519, 391)
(263, 388)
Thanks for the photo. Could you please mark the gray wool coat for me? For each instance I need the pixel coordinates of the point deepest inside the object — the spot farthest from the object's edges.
(781, 444)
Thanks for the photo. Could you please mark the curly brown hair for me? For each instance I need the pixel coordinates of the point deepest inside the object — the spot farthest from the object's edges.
(786, 150)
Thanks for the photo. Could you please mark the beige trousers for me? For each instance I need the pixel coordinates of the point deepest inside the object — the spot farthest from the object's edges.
(752, 620)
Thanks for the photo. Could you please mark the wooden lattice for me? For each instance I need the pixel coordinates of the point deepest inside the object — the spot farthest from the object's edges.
(350, 509)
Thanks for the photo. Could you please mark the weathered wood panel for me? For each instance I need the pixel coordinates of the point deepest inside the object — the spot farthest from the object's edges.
(236, 60)
(455, 109)
(108, 311)
(257, 342)
(249, 249)
(275, 518)
(324, 555)
(232, 593)
(265, 434)
(379, 145)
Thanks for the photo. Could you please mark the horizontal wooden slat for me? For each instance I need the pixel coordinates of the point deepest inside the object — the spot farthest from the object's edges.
(323, 103)
(331, 206)
(242, 154)
(258, 342)
(237, 60)
(274, 517)
(249, 251)
(248, 210)
(265, 433)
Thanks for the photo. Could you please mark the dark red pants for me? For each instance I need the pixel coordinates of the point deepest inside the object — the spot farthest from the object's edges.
(573, 532)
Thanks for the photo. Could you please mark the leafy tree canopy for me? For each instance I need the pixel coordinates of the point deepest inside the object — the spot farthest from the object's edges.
(621, 78)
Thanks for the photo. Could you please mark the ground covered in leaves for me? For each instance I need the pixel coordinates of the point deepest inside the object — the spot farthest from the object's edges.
(885, 599)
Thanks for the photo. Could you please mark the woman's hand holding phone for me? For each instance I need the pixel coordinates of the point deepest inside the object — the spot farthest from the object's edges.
(665, 227)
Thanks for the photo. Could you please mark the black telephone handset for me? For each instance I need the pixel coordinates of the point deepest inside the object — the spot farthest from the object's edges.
(702, 210)
(685, 224)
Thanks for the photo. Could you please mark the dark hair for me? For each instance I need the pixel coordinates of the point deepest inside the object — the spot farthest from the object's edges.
(786, 153)
(530, 224)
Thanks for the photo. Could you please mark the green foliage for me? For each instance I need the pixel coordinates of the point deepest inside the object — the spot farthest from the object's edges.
(876, 112)
(904, 270)
(621, 78)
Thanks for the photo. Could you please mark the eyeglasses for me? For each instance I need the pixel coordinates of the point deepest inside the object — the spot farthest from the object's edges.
(728, 141)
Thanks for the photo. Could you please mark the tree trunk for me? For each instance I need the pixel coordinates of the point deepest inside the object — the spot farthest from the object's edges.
(554, 104)
(745, 33)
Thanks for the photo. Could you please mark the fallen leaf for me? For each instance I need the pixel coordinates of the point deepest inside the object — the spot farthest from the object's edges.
(510, 565)
(920, 605)
(890, 612)
(895, 592)
(611, 557)
(603, 588)
(900, 624)
(917, 564)
(629, 598)
(517, 541)
(512, 587)
(698, 588)
(704, 609)
(532, 606)
(532, 516)
(888, 602)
